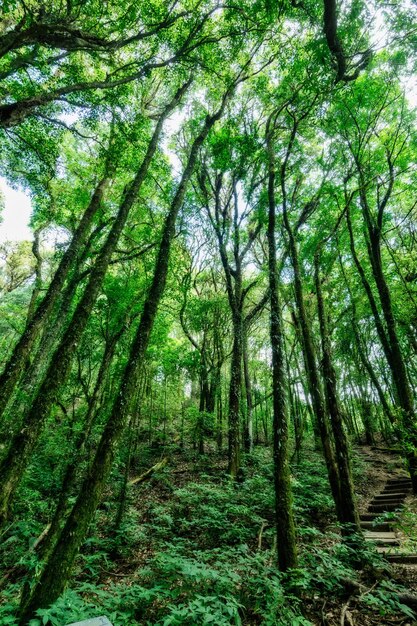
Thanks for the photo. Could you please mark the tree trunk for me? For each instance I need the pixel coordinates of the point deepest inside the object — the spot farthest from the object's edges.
(38, 276)
(348, 510)
(220, 418)
(203, 403)
(35, 371)
(388, 335)
(71, 473)
(235, 396)
(23, 443)
(16, 363)
(284, 513)
(58, 567)
(363, 357)
(398, 368)
(314, 383)
(248, 429)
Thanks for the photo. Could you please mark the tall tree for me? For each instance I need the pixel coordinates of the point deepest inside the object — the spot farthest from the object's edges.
(284, 513)
(58, 566)
(15, 461)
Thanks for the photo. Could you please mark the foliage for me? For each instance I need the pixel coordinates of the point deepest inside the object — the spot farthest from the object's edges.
(144, 325)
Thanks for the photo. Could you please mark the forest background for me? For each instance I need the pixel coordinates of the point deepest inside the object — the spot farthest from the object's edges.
(223, 264)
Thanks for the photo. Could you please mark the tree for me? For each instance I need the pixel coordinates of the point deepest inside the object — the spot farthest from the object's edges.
(22, 444)
(58, 566)
(285, 527)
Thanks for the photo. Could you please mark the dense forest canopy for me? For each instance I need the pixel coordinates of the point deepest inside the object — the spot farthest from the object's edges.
(233, 185)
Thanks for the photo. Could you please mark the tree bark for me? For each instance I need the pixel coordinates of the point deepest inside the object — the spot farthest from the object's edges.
(16, 364)
(235, 396)
(35, 371)
(38, 275)
(348, 509)
(284, 512)
(71, 475)
(57, 569)
(310, 358)
(23, 443)
(388, 334)
(248, 429)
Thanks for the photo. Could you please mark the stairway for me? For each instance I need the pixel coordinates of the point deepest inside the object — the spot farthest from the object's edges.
(390, 499)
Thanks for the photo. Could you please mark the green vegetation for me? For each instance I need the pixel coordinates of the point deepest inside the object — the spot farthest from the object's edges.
(203, 553)
(218, 304)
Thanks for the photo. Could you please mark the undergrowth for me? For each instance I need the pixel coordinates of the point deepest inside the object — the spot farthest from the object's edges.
(201, 554)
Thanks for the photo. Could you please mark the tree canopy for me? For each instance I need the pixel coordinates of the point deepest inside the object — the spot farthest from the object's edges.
(236, 272)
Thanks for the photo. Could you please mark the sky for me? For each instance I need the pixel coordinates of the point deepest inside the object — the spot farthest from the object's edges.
(16, 214)
(15, 217)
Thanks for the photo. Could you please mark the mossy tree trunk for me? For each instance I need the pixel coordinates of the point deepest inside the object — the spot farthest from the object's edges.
(37, 286)
(248, 426)
(386, 325)
(224, 196)
(57, 569)
(235, 394)
(363, 357)
(71, 474)
(16, 364)
(348, 509)
(404, 394)
(284, 512)
(15, 461)
(310, 358)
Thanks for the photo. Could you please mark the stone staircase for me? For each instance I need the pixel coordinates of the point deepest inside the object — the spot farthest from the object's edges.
(389, 500)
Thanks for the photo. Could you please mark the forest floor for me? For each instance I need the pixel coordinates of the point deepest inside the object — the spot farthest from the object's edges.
(346, 610)
(193, 549)
(381, 466)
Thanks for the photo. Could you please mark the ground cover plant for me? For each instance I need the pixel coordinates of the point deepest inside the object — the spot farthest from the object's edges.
(208, 332)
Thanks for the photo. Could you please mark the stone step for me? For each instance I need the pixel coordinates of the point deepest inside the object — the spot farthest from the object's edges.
(401, 484)
(404, 475)
(383, 539)
(395, 495)
(386, 450)
(375, 462)
(369, 517)
(397, 487)
(380, 535)
(382, 527)
(399, 480)
(387, 500)
(376, 526)
(384, 508)
(404, 559)
(398, 501)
